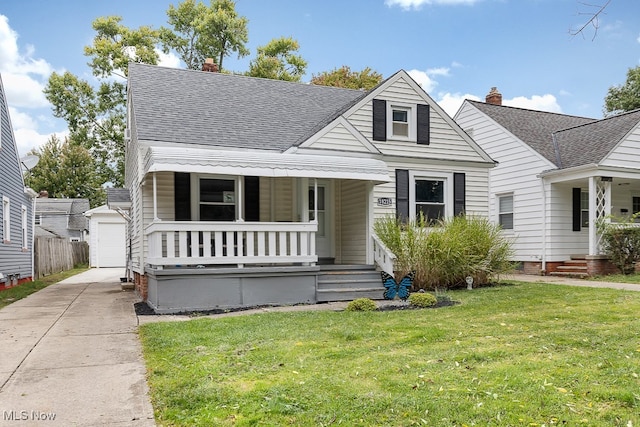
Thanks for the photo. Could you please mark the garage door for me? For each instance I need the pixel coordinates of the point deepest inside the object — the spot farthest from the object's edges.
(111, 245)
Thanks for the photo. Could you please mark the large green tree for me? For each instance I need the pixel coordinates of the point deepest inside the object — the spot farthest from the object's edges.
(199, 32)
(66, 170)
(278, 60)
(625, 97)
(343, 77)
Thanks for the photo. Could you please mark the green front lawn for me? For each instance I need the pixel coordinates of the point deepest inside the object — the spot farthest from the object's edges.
(517, 355)
(16, 293)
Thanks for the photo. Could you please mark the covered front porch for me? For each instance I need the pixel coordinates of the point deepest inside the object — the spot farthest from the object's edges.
(574, 203)
(236, 228)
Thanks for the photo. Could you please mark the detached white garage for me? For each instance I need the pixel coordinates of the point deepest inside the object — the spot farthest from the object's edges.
(107, 238)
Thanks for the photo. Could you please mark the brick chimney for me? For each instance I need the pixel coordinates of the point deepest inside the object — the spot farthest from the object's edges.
(210, 66)
(494, 97)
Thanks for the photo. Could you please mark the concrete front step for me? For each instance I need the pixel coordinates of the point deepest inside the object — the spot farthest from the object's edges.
(349, 294)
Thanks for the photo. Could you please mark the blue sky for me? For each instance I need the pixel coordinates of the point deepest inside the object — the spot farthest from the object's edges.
(455, 49)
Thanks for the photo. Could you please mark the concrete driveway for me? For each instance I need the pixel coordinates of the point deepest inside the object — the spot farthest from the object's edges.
(70, 355)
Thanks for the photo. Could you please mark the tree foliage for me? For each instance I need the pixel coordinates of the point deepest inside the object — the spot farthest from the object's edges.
(66, 170)
(199, 32)
(625, 97)
(343, 77)
(278, 60)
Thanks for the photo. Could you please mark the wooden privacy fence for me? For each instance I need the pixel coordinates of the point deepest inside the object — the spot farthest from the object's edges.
(53, 255)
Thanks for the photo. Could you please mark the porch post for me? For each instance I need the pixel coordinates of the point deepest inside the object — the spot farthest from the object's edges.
(304, 183)
(593, 236)
(155, 198)
(370, 222)
(239, 216)
(315, 200)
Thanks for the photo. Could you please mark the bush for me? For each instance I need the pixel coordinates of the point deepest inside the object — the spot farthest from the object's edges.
(422, 300)
(445, 254)
(362, 304)
(621, 242)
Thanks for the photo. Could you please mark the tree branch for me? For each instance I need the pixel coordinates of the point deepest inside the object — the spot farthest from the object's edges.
(594, 21)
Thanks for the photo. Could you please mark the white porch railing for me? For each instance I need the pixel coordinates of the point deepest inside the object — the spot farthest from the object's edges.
(173, 243)
(382, 256)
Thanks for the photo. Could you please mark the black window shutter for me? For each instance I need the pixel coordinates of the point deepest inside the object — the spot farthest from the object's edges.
(423, 129)
(182, 196)
(379, 120)
(459, 190)
(252, 198)
(576, 209)
(402, 194)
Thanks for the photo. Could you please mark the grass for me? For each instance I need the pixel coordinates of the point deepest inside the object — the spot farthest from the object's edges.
(517, 355)
(619, 278)
(24, 290)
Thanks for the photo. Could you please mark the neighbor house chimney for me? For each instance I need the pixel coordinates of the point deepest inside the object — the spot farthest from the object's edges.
(494, 97)
(209, 65)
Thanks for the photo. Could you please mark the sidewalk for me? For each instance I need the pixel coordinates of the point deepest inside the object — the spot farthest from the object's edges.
(70, 356)
(572, 282)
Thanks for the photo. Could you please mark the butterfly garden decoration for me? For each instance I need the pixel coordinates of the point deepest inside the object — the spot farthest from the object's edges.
(393, 288)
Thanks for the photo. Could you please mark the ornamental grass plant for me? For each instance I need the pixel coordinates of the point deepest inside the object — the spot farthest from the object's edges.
(445, 253)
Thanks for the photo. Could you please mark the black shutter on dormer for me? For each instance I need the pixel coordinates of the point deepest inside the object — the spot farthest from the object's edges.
(459, 190)
(423, 128)
(576, 209)
(182, 196)
(402, 194)
(379, 120)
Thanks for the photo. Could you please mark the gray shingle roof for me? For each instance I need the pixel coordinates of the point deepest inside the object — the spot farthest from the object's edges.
(197, 107)
(534, 128)
(590, 143)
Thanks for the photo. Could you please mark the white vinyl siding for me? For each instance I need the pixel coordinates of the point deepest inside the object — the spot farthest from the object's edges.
(339, 139)
(6, 219)
(353, 224)
(517, 174)
(627, 154)
(445, 143)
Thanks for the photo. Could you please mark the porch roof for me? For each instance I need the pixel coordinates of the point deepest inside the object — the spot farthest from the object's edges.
(263, 163)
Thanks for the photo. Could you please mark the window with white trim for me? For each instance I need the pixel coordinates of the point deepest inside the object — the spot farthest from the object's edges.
(430, 195)
(38, 219)
(6, 219)
(25, 237)
(505, 211)
(584, 209)
(401, 122)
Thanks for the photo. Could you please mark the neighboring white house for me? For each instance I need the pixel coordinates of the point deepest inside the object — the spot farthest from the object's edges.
(556, 175)
(250, 191)
(107, 238)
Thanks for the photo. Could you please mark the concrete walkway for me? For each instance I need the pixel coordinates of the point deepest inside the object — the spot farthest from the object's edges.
(70, 356)
(572, 282)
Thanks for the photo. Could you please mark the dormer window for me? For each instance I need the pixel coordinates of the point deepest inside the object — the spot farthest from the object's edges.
(400, 122)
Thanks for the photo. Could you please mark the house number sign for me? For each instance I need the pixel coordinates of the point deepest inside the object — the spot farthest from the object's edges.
(385, 201)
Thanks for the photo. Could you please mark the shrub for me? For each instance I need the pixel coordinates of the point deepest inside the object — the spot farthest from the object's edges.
(422, 299)
(443, 255)
(621, 242)
(362, 304)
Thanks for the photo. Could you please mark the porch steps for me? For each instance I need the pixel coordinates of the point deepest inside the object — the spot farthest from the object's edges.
(348, 282)
(574, 267)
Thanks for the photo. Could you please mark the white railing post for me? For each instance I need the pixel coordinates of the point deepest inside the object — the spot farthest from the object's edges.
(382, 255)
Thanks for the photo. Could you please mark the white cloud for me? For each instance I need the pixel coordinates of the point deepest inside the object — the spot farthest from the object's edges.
(423, 79)
(546, 102)
(417, 4)
(442, 71)
(170, 59)
(24, 77)
(451, 102)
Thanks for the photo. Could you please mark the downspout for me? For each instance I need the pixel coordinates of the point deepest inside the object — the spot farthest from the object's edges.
(544, 228)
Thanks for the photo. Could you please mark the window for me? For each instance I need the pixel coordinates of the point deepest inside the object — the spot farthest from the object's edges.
(6, 219)
(321, 209)
(505, 211)
(400, 122)
(584, 209)
(635, 205)
(38, 219)
(25, 236)
(217, 199)
(430, 199)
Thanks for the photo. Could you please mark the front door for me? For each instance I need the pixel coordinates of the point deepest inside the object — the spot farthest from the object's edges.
(324, 236)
